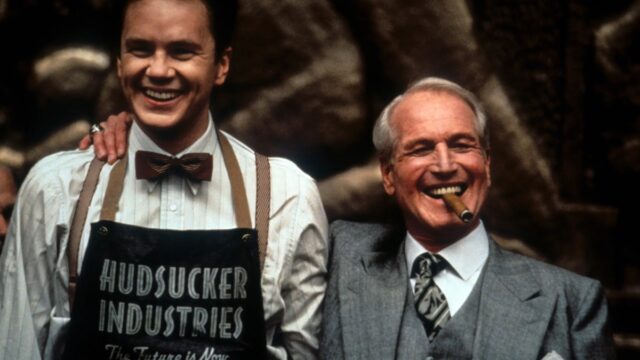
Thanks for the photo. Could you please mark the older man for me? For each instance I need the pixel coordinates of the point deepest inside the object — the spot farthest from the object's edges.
(192, 247)
(440, 288)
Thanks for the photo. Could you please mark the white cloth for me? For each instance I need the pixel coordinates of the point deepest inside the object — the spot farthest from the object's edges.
(34, 308)
(465, 257)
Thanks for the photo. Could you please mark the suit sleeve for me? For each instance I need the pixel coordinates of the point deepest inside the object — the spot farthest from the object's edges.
(590, 333)
(331, 346)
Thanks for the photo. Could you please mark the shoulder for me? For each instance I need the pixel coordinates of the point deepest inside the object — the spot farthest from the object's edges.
(551, 278)
(52, 185)
(57, 170)
(287, 179)
(354, 238)
(280, 167)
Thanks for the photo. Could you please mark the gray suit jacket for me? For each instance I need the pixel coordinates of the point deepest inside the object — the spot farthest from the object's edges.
(527, 308)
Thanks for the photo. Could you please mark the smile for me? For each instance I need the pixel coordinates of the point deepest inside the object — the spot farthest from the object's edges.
(163, 95)
(438, 191)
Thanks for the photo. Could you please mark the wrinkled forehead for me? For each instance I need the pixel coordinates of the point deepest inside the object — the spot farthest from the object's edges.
(421, 100)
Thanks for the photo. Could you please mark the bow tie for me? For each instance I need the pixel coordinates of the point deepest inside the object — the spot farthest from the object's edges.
(153, 166)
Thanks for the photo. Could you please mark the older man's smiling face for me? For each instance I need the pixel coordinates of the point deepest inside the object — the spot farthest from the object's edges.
(437, 150)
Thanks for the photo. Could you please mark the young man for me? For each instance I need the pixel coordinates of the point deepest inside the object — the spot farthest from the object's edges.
(439, 288)
(167, 257)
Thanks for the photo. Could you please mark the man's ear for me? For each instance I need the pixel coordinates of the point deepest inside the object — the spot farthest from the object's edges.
(119, 67)
(386, 170)
(487, 165)
(222, 67)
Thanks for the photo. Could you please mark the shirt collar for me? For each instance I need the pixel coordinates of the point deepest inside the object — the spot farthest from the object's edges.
(138, 140)
(464, 256)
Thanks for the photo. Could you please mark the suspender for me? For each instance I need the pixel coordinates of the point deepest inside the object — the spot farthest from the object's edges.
(79, 217)
(263, 204)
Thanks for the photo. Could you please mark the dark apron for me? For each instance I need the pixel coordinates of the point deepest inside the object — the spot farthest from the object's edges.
(167, 294)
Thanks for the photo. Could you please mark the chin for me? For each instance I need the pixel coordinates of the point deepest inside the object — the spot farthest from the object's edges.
(448, 225)
(157, 120)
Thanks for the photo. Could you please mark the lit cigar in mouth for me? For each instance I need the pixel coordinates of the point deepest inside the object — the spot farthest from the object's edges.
(457, 206)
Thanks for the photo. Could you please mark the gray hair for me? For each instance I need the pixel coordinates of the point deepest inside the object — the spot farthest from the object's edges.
(383, 135)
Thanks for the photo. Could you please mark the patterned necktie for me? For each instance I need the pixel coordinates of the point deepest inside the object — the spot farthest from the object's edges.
(153, 166)
(430, 302)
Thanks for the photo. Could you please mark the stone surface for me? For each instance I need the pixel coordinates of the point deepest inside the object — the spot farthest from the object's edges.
(296, 85)
(308, 78)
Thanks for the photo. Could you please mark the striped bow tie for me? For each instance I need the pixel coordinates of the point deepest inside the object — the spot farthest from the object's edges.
(153, 166)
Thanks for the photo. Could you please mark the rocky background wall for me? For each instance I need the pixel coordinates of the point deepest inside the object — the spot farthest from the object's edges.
(560, 80)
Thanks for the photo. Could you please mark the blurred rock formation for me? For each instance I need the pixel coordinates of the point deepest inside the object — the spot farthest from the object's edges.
(308, 78)
(560, 81)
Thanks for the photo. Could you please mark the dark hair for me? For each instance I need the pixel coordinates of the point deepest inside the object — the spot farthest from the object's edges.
(222, 22)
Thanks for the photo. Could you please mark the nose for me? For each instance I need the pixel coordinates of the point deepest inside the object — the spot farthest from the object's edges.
(159, 67)
(443, 163)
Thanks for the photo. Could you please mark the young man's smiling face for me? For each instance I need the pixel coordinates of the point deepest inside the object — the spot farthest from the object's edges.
(167, 68)
(437, 150)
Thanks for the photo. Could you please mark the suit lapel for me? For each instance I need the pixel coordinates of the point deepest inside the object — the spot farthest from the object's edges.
(514, 311)
(373, 304)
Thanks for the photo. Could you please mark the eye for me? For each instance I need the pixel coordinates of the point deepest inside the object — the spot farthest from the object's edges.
(183, 50)
(461, 147)
(422, 150)
(140, 50)
(182, 53)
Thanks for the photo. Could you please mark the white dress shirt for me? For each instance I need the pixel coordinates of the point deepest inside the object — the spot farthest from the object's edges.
(465, 259)
(34, 307)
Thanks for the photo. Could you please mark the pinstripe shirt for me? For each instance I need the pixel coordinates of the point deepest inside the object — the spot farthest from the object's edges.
(34, 307)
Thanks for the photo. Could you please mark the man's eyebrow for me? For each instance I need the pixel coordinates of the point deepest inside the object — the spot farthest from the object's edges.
(135, 41)
(463, 136)
(185, 43)
(420, 141)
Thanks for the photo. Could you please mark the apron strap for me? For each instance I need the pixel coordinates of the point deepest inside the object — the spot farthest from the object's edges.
(263, 204)
(77, 224)
(114, 190)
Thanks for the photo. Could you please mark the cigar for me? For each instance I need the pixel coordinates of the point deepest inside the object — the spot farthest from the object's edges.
(457, 206)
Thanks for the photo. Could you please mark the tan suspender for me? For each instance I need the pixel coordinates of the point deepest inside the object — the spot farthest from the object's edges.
(238, 192)
(114, 187)
(240, 203)
(79, 217)
(263, 202)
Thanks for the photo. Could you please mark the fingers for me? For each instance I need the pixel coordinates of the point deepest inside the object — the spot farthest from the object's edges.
(85, 142)
(110, 143)
(98, 146)
(122, 123)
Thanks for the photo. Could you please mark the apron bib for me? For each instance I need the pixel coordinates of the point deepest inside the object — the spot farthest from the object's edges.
(169, 294)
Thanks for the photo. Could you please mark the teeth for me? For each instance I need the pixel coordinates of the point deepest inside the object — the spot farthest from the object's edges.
(161, 95)
(446, 190)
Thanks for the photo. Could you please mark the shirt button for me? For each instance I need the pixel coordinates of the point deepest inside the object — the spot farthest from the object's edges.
(173, 207)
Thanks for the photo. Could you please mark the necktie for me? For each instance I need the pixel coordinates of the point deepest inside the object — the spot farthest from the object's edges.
(153, 166)
(430, 302)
